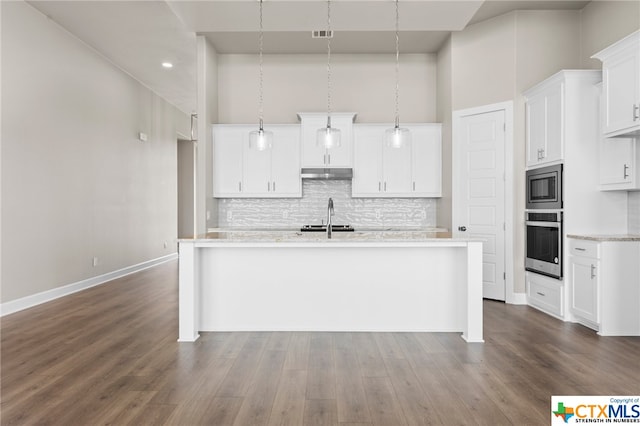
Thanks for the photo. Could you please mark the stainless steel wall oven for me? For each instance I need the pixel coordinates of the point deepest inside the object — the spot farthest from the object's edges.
(544, 243)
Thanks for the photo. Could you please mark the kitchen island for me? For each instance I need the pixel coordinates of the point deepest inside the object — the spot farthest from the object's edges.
(282, 280)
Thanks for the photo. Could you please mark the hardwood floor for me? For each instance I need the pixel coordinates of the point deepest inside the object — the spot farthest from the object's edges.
(108, 355)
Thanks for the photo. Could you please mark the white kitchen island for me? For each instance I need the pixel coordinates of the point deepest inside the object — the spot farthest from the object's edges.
(364, 281)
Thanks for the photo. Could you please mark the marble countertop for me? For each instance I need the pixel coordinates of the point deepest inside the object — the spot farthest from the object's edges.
(370, 237)
(611, 237)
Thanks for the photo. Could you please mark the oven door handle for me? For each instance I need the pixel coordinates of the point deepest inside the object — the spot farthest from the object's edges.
(547, 224)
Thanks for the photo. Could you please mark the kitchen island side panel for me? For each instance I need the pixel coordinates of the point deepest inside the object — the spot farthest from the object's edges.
(334, 289)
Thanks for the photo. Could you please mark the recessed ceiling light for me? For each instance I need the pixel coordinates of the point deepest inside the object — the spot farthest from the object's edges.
(167, 65)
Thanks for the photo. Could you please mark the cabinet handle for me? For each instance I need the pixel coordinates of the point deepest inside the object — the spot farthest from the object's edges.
(540, 293)
(329, 157)
(324, 159)
(626, 167)
(542, 154)
(274, 186)
(239, 186)
(636, 109)
(593, 271)
(414, 186)
(379, 186)
(580, 249)
(268, 186)
(385, 187)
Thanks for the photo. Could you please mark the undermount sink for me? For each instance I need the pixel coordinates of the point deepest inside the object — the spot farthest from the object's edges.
(323, 228)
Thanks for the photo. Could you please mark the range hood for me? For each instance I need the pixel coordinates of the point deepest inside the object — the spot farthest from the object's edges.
(326, 173)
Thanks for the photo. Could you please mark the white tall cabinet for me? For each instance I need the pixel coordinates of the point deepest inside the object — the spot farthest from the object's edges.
(413, 170)
(563, 121)
(241, 172)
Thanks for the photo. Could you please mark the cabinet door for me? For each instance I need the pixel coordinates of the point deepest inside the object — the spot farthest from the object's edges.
(617, 162)
(536, 129)
(427, 161)
(367, 160)
(285, 162)
(396, 170)
(227, 160)
(552, 151)
(257, 171)
(621, 82)
(341, 156)
(313, 155)
(584, 284)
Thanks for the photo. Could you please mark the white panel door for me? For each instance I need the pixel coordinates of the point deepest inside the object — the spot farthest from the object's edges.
(479, 194)
(427, 160)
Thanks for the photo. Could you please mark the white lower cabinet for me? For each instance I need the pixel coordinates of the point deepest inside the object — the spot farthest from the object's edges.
(545, 293)
(605, 285)
(413, 170)
(241, 172)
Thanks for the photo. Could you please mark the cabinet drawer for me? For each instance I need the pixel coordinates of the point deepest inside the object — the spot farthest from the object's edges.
(584, 248)
(545, 297)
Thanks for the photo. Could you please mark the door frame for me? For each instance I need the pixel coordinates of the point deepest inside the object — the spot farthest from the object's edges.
(510, 296)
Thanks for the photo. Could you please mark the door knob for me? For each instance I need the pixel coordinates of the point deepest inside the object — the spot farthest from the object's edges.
(462, 228)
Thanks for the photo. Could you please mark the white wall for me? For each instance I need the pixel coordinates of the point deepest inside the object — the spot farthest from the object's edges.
(602, 24)
(364, 84)
(76, 181)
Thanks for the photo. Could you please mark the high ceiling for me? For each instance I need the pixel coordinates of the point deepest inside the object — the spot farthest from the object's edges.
(138, 36)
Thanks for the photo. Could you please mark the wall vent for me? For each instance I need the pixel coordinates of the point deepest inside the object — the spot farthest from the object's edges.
(322, 34)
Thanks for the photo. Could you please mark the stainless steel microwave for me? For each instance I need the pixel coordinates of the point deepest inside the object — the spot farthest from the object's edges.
(544, 188)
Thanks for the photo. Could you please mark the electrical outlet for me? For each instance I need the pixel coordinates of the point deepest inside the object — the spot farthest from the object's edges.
(378, 214)
(424, 214)
(95, 261)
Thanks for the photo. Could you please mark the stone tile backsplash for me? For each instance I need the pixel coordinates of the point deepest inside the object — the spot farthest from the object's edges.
(633, 217)
(312, 209)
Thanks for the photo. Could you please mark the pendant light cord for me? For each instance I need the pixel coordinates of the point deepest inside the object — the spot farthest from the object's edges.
(397, 66)
(260, 108)
(329, 37)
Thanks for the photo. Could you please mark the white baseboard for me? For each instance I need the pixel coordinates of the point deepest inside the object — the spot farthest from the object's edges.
(517, 299)
(55, 293)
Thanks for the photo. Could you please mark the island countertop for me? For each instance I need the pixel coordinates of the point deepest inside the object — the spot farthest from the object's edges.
(289, 237)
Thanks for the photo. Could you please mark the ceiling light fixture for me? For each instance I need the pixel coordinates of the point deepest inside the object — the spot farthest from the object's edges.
(260, 139)
(328, 137)
(167, 65)
(397, 136)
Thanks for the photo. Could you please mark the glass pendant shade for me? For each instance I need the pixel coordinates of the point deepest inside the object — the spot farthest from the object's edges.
(397, 137)
(328, 137)
(260, 139)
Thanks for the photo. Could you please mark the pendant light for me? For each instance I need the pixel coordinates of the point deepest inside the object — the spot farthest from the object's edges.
(397, 136)
(260, 139)
(329, 137)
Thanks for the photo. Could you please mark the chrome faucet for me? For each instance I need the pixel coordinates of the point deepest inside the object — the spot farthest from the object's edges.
(329, 215)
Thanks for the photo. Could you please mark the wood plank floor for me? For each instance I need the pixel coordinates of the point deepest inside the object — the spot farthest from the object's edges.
(108, 355)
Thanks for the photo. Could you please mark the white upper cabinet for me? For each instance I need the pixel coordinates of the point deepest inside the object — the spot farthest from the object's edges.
(414, 170)
(621, 87)
(544, 105)
(314, 155)
(555, 112)
(241, 172)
